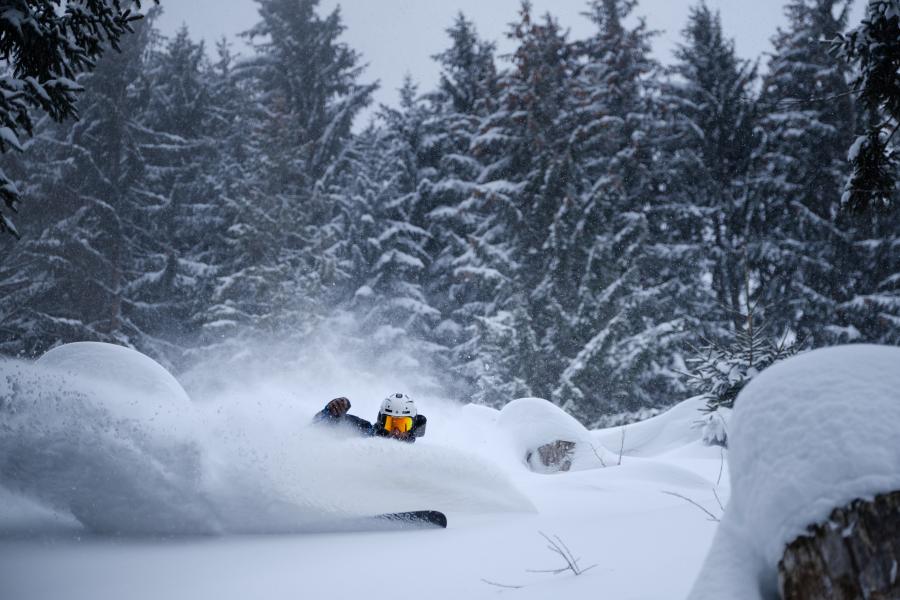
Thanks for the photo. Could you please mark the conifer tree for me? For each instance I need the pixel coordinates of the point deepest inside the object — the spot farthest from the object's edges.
(303, 94)
(871, 310)
(710, 151)
(873, 48)
(529, 175)
(398, 308)
(455, 286)
(81, 268)
(307, 80)
(183, 194)
(46, 44)
(621, 304)
(809, 119)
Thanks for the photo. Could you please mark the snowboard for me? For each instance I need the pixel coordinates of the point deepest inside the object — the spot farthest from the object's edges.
(416, 518)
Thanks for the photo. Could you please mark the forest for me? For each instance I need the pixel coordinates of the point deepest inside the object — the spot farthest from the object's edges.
(574, 221)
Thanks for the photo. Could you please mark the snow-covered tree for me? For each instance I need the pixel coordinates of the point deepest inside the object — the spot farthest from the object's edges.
(871, 307)
(529, 173)
(873, 48)
(620, 322)
(808, 121)
(719, 369)
(45, 44)
(301, 96)
(307, 79)
(454, 284)
(710, 149)
(183, 197)
(870, 310)
(396, 309)
(72, 280)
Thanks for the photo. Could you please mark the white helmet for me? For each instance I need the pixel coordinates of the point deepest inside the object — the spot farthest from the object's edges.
(398, 405)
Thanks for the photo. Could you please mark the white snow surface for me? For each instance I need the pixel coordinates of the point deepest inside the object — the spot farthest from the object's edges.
(104, 468)
(807, 435)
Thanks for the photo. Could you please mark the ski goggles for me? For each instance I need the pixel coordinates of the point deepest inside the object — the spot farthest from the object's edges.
(401, 424)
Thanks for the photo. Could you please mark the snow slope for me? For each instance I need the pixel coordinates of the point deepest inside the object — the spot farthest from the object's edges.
(80, 460)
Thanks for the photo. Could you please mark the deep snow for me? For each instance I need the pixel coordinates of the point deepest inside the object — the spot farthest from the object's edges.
(244, 460)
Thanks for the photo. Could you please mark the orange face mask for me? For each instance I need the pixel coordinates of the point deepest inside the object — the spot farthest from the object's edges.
(401, 424)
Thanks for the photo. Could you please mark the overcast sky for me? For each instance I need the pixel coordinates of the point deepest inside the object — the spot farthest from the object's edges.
(399, 36)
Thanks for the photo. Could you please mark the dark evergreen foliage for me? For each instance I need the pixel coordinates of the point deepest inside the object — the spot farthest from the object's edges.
(571, 223)
(719, 370)
(45, 44)
(809, 120)
(873, 48)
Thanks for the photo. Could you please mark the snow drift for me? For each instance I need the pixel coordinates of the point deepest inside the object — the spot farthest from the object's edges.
(808, 435)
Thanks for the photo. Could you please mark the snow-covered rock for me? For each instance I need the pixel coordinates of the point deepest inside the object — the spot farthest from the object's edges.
(533, 422)
(809, 434)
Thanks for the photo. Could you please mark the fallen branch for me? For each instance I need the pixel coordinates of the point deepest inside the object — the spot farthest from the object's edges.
(721, 465)
(503, 585)
(718, 500)
(599, 457)
(559, 547)
(712, 517)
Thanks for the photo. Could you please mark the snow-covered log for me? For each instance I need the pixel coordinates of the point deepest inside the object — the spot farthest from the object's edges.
(855, 554)
(813, 433)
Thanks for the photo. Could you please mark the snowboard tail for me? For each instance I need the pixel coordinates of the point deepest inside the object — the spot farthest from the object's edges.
(417, 518)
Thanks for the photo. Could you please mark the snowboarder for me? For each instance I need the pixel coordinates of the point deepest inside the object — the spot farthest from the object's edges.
(397, 418)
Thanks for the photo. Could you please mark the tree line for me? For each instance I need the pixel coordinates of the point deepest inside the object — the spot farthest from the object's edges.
(564, 222)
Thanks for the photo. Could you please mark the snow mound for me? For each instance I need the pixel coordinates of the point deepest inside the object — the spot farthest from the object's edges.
(532, 422)
(118, 461)
(808, 435)
(116, 365)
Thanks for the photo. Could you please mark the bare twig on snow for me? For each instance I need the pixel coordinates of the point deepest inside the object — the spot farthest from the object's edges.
(559, 547)
(502, 585)
(712, 517)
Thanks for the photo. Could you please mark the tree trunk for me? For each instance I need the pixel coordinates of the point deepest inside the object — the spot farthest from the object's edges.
(854, 555)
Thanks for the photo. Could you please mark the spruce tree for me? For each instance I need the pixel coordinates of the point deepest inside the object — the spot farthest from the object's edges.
(530, 174)
(80, 269)
(626, 306)
(181, 171)
(710, 150)
(808, 122)
(45, 45)
(873, 48)
(307, 79)
(871, 310)
(398, 312)
(302, 97)
(454, 284)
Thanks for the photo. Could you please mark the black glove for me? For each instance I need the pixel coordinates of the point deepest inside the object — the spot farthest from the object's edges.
(338, 407)
(419, 424)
